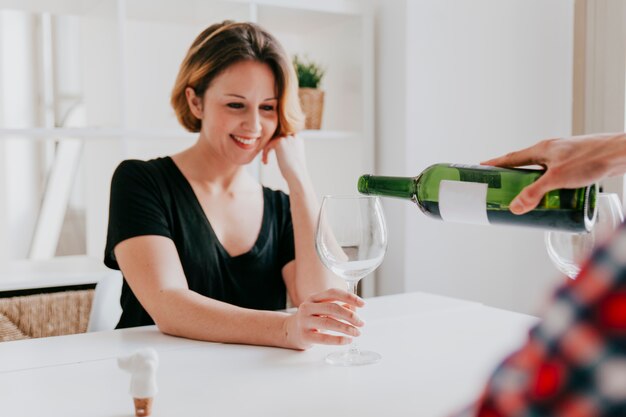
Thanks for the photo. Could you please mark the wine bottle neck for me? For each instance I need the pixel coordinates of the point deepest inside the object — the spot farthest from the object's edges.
(399, 187)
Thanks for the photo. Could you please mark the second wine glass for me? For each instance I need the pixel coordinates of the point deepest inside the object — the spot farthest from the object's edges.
(351, 241)
(568, 251)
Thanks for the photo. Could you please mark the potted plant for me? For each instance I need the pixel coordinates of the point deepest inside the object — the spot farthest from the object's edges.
(310, 75)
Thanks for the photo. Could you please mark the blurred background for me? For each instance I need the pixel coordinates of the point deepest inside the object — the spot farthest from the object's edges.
(407, 83)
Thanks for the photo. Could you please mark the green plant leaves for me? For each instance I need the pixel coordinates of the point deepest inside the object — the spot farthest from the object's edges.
(309, 73)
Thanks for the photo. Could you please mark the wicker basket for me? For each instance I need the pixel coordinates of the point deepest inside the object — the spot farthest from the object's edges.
(43, 315)
(312, 102)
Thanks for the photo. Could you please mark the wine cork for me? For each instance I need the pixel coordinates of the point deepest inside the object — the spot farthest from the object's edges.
(143, 406)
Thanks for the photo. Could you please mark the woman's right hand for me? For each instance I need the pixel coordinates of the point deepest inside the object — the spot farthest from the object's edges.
(330, 310)
(570, 163)
(290, 156)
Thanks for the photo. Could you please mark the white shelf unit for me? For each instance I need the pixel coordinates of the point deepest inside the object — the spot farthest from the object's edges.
(130, 54)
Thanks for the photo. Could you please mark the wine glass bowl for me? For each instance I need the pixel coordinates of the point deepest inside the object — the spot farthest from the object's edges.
(568, 251)
(351, 241)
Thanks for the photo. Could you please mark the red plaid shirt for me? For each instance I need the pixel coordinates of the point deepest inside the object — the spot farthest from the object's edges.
(574, 362)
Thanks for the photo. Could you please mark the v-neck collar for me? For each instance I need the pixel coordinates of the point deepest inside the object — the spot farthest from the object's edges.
(191, 194)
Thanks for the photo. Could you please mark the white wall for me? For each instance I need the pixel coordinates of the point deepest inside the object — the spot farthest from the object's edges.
(102, 92)
(482, 77)
(605, 88)
(150, 76)
(19, 169)
(391, 133)
(606, 57)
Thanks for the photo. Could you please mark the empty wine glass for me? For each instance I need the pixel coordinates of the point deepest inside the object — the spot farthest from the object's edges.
(351, 241)
(568, 251)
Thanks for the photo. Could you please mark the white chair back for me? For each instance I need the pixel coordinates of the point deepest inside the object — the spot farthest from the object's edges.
(105, 308)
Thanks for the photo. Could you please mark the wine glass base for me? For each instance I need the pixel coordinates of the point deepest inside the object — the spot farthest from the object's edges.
(571, 271)
(353, 359)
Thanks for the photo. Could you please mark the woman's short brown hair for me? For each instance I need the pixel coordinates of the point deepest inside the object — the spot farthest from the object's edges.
(223, 44)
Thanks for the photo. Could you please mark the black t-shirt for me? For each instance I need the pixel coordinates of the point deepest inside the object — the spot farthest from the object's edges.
(154, 198)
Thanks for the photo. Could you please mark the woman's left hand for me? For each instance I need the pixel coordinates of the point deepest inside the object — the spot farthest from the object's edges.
(289, 154)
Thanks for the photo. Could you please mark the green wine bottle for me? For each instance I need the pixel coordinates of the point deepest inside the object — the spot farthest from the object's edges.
(481, 194)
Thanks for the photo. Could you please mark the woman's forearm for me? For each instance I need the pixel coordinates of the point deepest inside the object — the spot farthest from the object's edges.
(185, 313)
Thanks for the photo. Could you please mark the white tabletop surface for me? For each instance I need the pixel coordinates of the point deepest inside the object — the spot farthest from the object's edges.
(437, 354)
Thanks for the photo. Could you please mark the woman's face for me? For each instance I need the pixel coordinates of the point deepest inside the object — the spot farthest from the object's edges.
(240, 111)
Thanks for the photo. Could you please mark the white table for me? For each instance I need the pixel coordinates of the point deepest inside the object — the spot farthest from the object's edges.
(437, 354)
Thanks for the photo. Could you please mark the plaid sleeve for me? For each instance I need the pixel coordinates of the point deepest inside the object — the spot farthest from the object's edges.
(574, 362)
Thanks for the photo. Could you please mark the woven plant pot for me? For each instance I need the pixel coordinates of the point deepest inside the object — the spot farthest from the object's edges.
(312, 103)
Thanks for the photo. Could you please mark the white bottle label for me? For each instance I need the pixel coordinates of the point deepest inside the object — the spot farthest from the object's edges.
(463, 202)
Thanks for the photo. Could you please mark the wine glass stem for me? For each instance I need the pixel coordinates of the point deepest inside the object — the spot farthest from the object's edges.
(354, 349)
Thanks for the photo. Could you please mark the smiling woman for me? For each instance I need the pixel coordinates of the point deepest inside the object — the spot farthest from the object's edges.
(240, 108)
(206, 251)
(215, 50)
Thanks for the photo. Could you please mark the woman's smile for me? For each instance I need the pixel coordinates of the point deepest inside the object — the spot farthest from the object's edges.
(245, 142)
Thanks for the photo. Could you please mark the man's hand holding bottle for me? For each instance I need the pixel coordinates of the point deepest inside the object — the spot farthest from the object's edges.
(570, 163)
